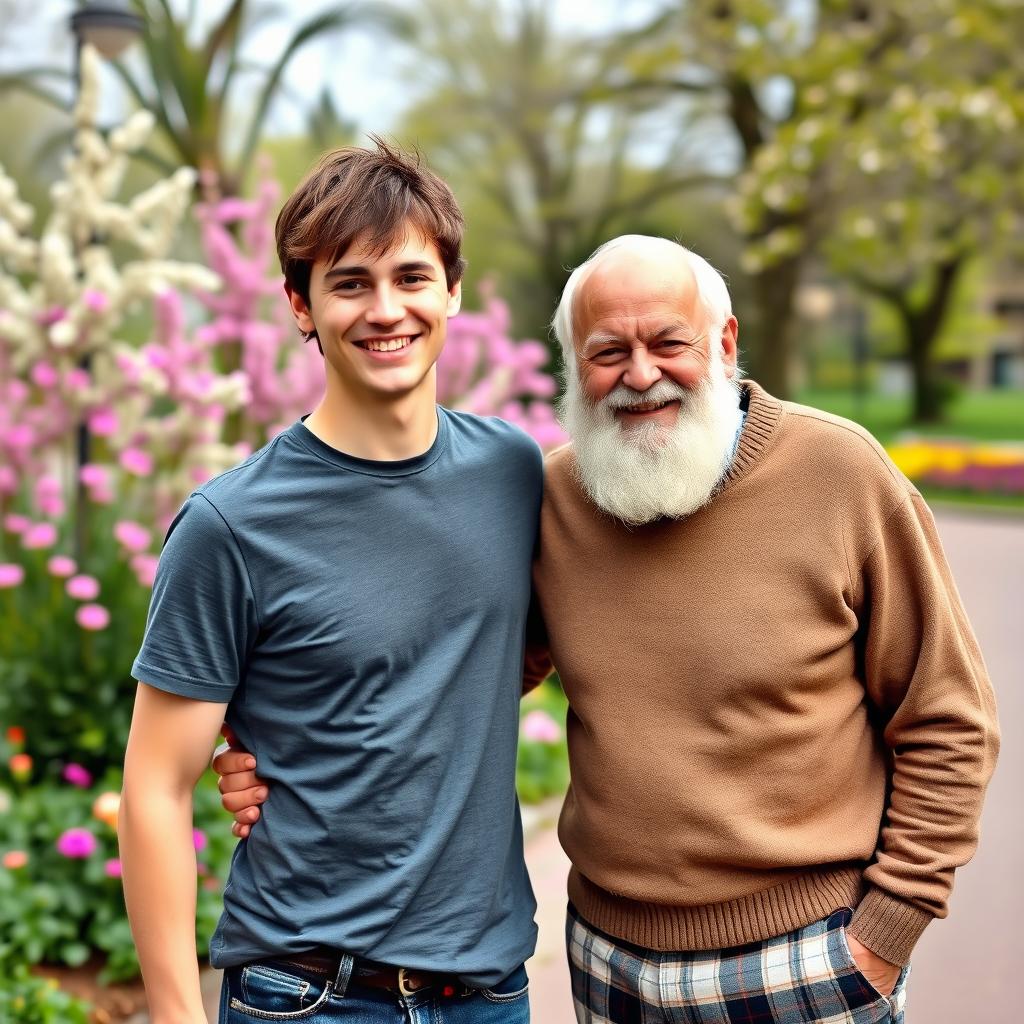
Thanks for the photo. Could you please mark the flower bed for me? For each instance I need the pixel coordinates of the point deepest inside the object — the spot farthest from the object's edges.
(979, 469)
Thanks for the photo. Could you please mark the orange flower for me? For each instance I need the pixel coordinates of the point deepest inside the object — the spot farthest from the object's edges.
(105, 808)
(14, 859)
(16, 736)
(21, 766)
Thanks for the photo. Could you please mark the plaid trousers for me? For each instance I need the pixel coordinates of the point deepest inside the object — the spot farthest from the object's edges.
(807, 975)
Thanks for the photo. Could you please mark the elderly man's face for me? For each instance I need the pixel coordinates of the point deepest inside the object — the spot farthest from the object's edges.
(637, 322)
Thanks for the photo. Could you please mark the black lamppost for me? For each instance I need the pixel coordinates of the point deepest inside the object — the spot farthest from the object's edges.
(110, 27)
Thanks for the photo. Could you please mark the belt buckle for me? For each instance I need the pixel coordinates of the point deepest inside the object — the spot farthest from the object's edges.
(403, 985)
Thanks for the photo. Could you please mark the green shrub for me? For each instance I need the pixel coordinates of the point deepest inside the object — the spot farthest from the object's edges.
(542, 767)
(26, 999)
(57, 907)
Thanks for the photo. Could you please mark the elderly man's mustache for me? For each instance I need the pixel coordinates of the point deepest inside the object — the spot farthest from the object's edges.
(660, 392)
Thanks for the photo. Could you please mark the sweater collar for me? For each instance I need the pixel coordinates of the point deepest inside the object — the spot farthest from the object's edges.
(763, 416)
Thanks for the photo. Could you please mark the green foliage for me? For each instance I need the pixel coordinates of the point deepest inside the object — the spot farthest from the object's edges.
(71, 689)
(27, 999)
(58, 909)
(542, 767)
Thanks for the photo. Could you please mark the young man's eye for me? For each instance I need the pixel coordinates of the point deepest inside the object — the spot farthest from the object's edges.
(348, 286)
(412, 279)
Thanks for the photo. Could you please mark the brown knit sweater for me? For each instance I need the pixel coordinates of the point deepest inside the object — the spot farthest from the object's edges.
(777, 705)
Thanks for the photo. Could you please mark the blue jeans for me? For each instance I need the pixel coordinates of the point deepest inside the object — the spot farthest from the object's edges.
(276, 990)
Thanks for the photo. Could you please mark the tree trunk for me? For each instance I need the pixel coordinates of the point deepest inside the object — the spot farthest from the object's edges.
(922, 326)
(769, 341)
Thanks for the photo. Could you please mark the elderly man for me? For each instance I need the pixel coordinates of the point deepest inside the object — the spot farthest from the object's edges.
(780, 725)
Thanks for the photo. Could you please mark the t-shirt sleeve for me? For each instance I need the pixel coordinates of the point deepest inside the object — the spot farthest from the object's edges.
(202, 621)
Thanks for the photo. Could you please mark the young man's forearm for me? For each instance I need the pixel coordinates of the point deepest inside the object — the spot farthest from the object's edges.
(159, 874)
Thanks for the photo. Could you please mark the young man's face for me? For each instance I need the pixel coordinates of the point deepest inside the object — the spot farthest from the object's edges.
(381, 320)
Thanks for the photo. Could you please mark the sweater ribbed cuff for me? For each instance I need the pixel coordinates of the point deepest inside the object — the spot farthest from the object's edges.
(888, 926)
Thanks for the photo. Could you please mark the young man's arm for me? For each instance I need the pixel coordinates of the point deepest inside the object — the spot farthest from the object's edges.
(168, 749)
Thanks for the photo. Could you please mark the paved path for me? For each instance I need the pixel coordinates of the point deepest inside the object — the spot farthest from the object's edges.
(965, 967)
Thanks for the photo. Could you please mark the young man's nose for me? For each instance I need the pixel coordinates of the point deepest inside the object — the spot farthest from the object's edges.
(385, 307)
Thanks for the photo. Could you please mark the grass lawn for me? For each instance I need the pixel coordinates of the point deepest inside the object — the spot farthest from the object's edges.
(974, 416)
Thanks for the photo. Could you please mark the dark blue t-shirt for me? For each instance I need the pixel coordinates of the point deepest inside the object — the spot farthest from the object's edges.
(365, 621)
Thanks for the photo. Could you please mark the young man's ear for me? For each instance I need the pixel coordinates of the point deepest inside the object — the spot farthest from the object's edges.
(300, 310)
(455, 298)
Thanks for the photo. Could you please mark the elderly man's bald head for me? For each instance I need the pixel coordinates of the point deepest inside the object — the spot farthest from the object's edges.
(644, 254)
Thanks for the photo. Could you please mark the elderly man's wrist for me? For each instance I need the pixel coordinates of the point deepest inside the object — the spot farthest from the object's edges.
(888, 926)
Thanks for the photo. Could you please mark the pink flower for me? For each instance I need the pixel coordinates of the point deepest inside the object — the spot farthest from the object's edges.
(48, 317)
(92, 475)
(132, 536)
(77, 379)
(16, 524)
(103, 422)
(77, 776)
(44, 376)
(11, 575)
(145, 569)
(101, 496)
(8, 480)
(83, 588)
(539, 727)
(95, 300)
(92, 617)
(199, 839)
(61, 566)
(112, 868)
(39, 535)
(136, 461)
(77, 844)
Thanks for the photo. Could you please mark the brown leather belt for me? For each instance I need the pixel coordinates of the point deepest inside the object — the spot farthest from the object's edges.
(403, 980)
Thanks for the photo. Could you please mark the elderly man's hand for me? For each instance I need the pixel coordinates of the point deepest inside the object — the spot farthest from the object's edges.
(879, 972)
(241, 790)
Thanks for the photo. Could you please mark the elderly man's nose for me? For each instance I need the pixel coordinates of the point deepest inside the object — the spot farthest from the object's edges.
(641, 372)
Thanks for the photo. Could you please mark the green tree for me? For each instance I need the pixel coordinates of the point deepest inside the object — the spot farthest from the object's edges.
(192, 86)
(543, 155)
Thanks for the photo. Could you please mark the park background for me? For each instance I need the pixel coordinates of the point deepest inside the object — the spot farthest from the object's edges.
(855, 169)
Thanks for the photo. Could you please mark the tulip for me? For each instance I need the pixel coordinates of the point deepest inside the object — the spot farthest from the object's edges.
(21, 766)
(92, 617)
(132, 536)
(39, 535)
(11, 575)
(539, 727)
(83, 588)
(14, 859)
(61, 566)
(77, 776)
(105, 808)
(77, 844)
(15, 736)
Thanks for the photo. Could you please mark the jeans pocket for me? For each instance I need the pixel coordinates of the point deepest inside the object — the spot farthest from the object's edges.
(268, 992)
(510, 989)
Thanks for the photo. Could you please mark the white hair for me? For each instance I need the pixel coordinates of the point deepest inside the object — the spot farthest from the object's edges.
(711, 288)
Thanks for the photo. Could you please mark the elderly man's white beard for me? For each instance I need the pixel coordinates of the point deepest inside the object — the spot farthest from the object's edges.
(643, 473)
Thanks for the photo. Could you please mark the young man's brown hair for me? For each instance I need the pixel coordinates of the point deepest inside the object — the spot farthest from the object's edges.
(354, 192)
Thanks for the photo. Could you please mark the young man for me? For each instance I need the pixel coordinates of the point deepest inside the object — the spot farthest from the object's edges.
(352, 600)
